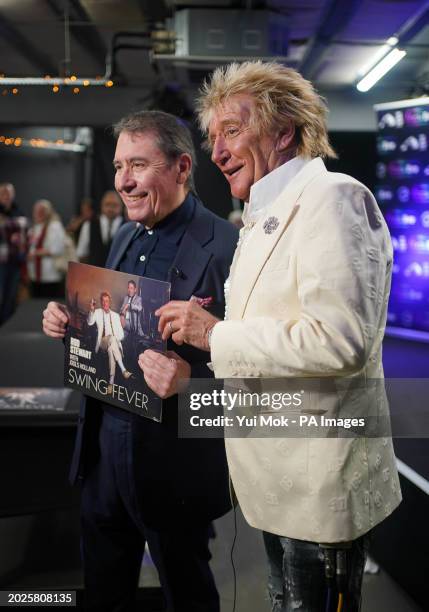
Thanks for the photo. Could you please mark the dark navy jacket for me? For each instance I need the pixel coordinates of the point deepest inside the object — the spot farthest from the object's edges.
(175, 478)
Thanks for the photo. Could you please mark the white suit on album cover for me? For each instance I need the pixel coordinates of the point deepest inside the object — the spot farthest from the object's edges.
(109, 337)
(97, 317)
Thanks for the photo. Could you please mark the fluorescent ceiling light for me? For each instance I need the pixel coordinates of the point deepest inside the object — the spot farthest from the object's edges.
(383, 50)
(381, 69)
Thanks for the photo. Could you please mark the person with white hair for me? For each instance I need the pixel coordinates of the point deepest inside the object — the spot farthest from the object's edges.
(307, 299)
(47, 245)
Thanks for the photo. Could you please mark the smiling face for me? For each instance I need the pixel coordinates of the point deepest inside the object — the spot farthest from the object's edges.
(242, 153)
(150, 185)
(105, 303)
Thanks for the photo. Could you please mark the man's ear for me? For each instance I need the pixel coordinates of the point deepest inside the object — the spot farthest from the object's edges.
(285, 138)
(184, 167)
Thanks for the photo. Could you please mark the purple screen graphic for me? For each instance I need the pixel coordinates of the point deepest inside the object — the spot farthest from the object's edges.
(402, 192)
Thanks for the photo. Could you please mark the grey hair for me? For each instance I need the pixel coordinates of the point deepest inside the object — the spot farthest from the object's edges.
(173, 137)
(52, 214)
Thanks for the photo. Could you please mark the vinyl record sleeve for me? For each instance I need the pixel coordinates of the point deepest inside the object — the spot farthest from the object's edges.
(112, 321)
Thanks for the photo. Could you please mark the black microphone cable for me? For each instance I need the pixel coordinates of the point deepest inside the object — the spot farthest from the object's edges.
(341, 572)
(329, 562)
(335, 562)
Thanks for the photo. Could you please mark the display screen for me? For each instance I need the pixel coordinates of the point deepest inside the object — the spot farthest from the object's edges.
(402, 192)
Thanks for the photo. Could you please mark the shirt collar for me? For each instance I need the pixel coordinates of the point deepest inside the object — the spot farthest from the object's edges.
(265, 191)
(174, 225)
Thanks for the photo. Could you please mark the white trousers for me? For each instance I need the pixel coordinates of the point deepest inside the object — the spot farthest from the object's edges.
(113, 348)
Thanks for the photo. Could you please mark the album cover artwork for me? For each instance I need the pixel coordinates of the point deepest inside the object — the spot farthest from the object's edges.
(112, 321)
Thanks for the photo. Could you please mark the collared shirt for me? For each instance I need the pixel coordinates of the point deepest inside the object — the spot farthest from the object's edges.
(107, 324)
(264, 192)
(152, 251)
(108, 229)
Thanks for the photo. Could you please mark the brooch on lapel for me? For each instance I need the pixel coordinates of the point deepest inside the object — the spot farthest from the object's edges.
(270, 225)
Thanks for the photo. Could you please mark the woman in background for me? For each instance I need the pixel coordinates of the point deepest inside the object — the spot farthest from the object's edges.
(47, 247)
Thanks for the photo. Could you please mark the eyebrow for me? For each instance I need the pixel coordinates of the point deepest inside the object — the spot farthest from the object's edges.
(227, 121)
(130, 160)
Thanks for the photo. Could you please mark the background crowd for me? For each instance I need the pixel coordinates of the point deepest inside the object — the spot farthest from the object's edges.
(34, 253)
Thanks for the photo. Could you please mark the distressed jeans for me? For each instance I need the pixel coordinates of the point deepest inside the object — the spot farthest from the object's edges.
(297, 580)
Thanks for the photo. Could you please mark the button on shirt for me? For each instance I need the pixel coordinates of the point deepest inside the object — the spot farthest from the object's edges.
(153, 251)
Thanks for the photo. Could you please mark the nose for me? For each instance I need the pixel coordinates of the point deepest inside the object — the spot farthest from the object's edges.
(124, 180)
(220, 153)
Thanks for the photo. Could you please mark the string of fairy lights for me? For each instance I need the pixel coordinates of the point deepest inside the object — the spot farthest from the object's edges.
(11, 85)
(41, 143)
(71, 83)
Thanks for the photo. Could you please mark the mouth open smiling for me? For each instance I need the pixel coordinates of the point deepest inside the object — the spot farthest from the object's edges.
(232, 172)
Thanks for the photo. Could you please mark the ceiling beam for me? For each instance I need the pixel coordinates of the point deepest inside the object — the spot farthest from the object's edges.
(414, 25)
(25, 47)
(154, 11)
(83, 29)
(335, 16)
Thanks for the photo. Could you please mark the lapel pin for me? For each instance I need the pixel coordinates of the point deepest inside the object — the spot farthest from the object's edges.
(270, 225)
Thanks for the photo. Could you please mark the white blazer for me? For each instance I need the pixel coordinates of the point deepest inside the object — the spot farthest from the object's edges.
(97, 317)
(309, 299)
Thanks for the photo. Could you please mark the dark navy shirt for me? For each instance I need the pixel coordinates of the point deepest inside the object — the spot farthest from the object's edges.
(152, 252)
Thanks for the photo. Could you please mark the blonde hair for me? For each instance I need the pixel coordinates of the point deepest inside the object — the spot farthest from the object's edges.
(281, 96)
(105, 294)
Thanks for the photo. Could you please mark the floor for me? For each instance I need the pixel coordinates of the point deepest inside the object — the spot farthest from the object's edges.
(380, 592)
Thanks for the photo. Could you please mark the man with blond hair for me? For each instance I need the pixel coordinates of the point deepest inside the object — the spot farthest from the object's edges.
(306, 298)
